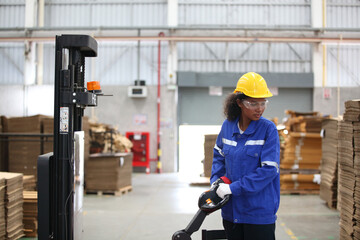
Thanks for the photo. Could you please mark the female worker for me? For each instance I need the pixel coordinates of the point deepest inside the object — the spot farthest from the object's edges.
(247, 151)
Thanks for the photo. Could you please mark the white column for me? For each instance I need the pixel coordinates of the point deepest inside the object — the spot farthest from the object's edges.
(317, 13)
(318, 21)
(172, 13)
(172, 63)
(317, 65)
(40, 46)
(30, 13)
(30, 63)
(30, 47)
(172, 67)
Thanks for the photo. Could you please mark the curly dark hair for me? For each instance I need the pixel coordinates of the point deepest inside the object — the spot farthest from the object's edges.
(231, 108)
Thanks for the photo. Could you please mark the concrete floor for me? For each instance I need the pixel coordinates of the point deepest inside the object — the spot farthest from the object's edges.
(161, 204)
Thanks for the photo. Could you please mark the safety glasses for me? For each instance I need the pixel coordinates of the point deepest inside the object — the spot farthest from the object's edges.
(255, 104)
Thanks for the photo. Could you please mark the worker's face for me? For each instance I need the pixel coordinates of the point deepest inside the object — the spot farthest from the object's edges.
(252, 108)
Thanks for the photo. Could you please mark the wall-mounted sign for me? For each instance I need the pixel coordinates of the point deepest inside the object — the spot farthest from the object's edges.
(215, 91)
(140, 119)
(326, 93)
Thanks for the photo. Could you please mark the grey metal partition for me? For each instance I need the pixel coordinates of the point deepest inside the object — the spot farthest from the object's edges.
(197, 107)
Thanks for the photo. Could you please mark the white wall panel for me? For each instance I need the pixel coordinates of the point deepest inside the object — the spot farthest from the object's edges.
(49, 64)
(105, 13)
(261, 57)
(12, 13)
(12, 63)
(211, 57)
(291, 57)
(61, 15)
(343, 13)
(343, 66)
(245, 12)
(117, 64)
(65, 13)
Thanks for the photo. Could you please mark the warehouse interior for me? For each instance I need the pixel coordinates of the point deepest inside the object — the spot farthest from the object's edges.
(165, 68)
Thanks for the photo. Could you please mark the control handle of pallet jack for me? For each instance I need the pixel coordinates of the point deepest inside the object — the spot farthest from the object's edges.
(193, 226)
(196, 222)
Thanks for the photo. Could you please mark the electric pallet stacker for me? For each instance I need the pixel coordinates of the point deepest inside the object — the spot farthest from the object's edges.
(60, 175)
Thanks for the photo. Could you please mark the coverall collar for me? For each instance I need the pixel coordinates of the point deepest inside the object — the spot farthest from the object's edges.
(250, 129)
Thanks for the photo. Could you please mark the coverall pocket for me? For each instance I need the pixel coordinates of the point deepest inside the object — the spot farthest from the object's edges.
(253, 151)
(253, 158)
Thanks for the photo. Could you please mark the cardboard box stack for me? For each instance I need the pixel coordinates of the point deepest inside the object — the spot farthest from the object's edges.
(209, 144)
(3, 148)
(2, 208)
(357, 175)
(108, 172)
(301, 154)
(30, 213)
(24, 151)
(349, 174)
(13, 205)
(302, 151)
(48, 128)
(105, 139)
(299, 181)
(329, 162)
(23, 154)
(30, 206)
(29, 183)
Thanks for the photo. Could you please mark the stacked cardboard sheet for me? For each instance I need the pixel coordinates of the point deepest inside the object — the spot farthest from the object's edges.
(3, 148)
(352, 111)
(30, 213)
(2, 208)
(304, 122)
(357, 179)
(209, 144)
(108, 172)
(13, 205)
(300, 181)
(106, 139)
(329, 162)
(48, 128)
(302, 151)
(30, 206)
(24, 151)
(349, 177)
(346, 179)
(29, 183)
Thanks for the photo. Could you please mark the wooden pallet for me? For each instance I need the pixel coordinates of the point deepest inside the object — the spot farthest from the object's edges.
(200, 181)
(299, 171)
(300, 192)
(119, 192)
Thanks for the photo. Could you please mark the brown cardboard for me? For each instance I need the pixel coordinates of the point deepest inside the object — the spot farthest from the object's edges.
(13, 204)
(108, 172)
(209, 143)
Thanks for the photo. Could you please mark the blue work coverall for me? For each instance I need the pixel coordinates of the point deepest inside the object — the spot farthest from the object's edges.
(251, 161)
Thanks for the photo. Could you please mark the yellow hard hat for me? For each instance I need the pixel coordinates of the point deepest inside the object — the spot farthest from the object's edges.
(253, 85)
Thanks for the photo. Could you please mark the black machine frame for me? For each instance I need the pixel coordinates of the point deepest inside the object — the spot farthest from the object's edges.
(56, 170)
